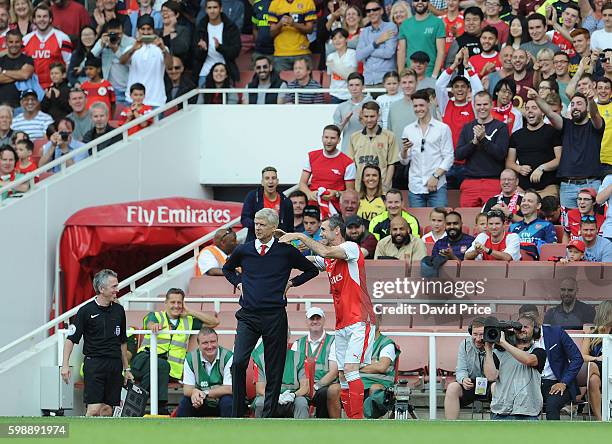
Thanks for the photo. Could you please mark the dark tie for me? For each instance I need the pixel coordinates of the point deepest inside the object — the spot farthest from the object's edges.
(263, 250)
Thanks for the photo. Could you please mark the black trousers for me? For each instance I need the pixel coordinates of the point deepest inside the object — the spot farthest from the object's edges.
(271, 326)
(554, 403)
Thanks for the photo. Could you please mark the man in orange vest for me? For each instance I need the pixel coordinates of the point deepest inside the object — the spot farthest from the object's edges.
(212, 258)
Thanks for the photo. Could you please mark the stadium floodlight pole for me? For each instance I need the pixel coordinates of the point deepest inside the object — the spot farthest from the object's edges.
(153, 372)
(432, 378)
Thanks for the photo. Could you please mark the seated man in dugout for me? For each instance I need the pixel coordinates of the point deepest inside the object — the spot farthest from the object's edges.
(379, 374)
(470, 383)
(292, 402)
(207, 380)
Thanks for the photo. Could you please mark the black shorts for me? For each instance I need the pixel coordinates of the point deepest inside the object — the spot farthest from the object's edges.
(469, 396)
(320, 402)
(103, 381)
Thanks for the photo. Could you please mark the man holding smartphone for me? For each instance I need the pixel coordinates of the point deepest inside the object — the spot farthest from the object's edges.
(147, 60)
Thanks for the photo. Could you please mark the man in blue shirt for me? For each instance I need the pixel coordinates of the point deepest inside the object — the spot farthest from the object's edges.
(598, 249)
(377, 45)
(532, 230)
(61, 143)
(456, 242)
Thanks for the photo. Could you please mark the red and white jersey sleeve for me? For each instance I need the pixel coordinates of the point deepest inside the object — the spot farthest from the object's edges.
(54, 47)
(349, 288)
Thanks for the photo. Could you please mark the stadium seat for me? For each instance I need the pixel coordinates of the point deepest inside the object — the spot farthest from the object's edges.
(318, 287)
(525, 257)
(578, 270)
(385, 269)
(421, 214)
(594, 290)
(38, 147)
(500, 289)
(550, 250)
(415, 355)
(559, 232)
(135, 318)
(429, 247)
(449, 270)
(606, 270)
(210, 286)
(531, 270)
(453, 199)
(481, 269)
(468, 214)
(446, 353)
(245, 78)
(542, 290)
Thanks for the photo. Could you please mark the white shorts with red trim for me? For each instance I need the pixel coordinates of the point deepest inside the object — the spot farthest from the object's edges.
(354, 344)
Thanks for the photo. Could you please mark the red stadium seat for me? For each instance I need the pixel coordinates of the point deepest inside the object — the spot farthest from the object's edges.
(38, 147)
(500, 289)
(453, 199)
(385, 269)
(559, 232)
(542, 289)
(210, 286)
(468, 214)
(594, 290)
(549, 250)
(606, 271)
(245, 78)
(578, 270)
(482, 269)
(531, 270)
(422, 215)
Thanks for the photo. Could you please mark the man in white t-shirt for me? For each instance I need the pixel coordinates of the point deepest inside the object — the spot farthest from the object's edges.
(148, 58)
(340, 63)
(211, 259)
(602, 38)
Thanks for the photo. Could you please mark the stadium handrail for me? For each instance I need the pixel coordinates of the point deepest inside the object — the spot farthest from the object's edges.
(433, 401)
(155, 114)
(93, 145)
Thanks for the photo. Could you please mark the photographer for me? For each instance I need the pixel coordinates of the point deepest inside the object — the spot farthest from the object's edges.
(470, 362)
(61, 143)
(517, 372)
(111, 45)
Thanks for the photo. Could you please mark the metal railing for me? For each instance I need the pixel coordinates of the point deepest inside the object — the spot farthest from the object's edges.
(122, 131)
(432, 362)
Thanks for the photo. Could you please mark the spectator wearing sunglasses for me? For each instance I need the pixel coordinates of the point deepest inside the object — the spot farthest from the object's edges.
(430, 158)
(598, 249)
(177, 83)
(586, 207)
(495, 244)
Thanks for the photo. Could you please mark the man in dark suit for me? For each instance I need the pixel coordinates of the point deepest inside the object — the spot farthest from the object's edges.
(266, 265)
(563, 362)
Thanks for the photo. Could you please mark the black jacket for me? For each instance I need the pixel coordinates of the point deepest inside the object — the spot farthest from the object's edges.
(93, 135)
(229, 49)
(254, 202)
(271, 98)
(185, 86)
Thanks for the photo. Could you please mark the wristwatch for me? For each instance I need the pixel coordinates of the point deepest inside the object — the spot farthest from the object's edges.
(436, 177)
(490, 251)
(206, 392)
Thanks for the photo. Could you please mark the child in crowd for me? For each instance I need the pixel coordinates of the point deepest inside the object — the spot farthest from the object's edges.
(575, 252)
(18, 136)
(480, 224)
(391, 83)
(437, 220)
(96, 88)
(136, 109)
(24, 149)
(55, 102)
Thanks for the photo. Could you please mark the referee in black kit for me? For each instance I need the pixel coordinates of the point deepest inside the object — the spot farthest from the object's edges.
(266, 266)
(102, 323)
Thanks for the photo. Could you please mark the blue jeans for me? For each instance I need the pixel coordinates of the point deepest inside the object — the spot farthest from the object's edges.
(496, 417)
(436, 199)
(569, 192)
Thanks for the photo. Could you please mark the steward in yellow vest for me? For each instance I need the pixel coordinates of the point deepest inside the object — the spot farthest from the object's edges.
(171, 348)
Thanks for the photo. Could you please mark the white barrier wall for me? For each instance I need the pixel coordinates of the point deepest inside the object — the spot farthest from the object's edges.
(255, 136)
(156, 163)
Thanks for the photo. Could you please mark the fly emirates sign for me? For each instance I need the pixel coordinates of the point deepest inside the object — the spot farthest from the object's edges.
(187, 215)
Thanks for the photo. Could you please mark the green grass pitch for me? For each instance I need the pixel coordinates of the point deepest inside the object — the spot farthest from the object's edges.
(220, 431)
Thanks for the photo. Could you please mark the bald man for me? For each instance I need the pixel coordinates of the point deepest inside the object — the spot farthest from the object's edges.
(349, 203)
(400, 244)
(212, 258)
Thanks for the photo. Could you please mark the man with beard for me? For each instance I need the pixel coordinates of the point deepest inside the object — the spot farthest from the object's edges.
(516, 371)
(571, 314)
(483, 144)
(598, 249)
(509, 200)
(532, 230)
(582, 135)
(496, 244)
(265, 78)
(456, 242)
(534, 153)
(299, 200)
(587, 206)
(470, 39)
(356, 232)
(470, 355)
(400, 244)
(522, 76)
(487, 61)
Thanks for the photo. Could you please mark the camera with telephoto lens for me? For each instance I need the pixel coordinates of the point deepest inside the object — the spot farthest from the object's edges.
(64, 135)
(397, 400)
(113, 37)
(493, 328)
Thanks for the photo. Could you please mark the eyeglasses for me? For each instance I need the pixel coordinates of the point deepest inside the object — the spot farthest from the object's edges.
(420, 1)
(496, 213)
(422, 145)
(175, 68)
(367, 11)
(588, 218)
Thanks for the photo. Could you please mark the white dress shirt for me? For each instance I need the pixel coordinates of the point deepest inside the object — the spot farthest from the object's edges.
(437, 153)
(258, 245)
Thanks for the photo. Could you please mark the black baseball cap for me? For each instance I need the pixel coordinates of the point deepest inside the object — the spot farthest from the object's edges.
(353, 220)
(145, 19)
(460, 79)
(28, 92)
(420, 56)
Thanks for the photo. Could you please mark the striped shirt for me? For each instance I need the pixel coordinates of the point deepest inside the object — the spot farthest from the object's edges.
(305, 98)
(35, 128)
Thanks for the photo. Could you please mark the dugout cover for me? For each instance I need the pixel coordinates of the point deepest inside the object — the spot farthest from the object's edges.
(128, 237)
